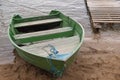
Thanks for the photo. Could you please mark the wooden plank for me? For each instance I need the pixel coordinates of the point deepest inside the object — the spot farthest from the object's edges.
(106, 16)
(111, 4)
(38, 22)
(108, 19)
(108, 7)
(105, 11)
(44, 35)
(63, 45)
(97, 25)
(40, 33)
(56, 41)
(101, 5)
(104, 6)
(98, 21)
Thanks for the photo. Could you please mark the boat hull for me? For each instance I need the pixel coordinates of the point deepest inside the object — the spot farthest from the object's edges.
(58, 66)
(44, 63)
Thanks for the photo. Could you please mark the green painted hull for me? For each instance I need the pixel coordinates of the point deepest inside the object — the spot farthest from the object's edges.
(43, 62)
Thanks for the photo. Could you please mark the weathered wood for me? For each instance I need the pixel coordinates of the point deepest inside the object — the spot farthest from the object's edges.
(38, 22)
(101, 21)
(102, 16)
(97, 25)
(63, 45)
(104, 11)
(108, 19)
(41, 33)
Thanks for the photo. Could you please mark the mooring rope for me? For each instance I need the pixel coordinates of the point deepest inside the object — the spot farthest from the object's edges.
(54, 54)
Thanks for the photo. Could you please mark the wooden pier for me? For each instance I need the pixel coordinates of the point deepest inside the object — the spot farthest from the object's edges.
(103, 11)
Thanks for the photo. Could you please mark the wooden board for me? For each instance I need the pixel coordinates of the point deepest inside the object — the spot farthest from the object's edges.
(63, 45)
(105, 11)
(38, 22)
(41, 33)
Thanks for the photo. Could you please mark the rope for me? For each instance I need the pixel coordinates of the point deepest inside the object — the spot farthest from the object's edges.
(54, 70)
(53, 54)
(53, 49)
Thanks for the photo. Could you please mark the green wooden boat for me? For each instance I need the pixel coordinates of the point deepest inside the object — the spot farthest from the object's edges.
(49, 42)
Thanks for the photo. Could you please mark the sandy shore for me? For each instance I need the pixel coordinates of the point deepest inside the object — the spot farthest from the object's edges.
(97, 60)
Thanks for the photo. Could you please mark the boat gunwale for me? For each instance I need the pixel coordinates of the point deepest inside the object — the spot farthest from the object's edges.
(73, 52)
(76, 49)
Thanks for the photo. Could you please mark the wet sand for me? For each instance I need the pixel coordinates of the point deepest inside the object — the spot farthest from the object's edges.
(98, 59)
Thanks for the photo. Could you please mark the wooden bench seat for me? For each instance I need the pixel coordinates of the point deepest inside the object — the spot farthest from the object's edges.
(38, 22)
(47, 34)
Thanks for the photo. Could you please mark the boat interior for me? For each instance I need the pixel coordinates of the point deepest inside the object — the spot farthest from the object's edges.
(36, 36)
